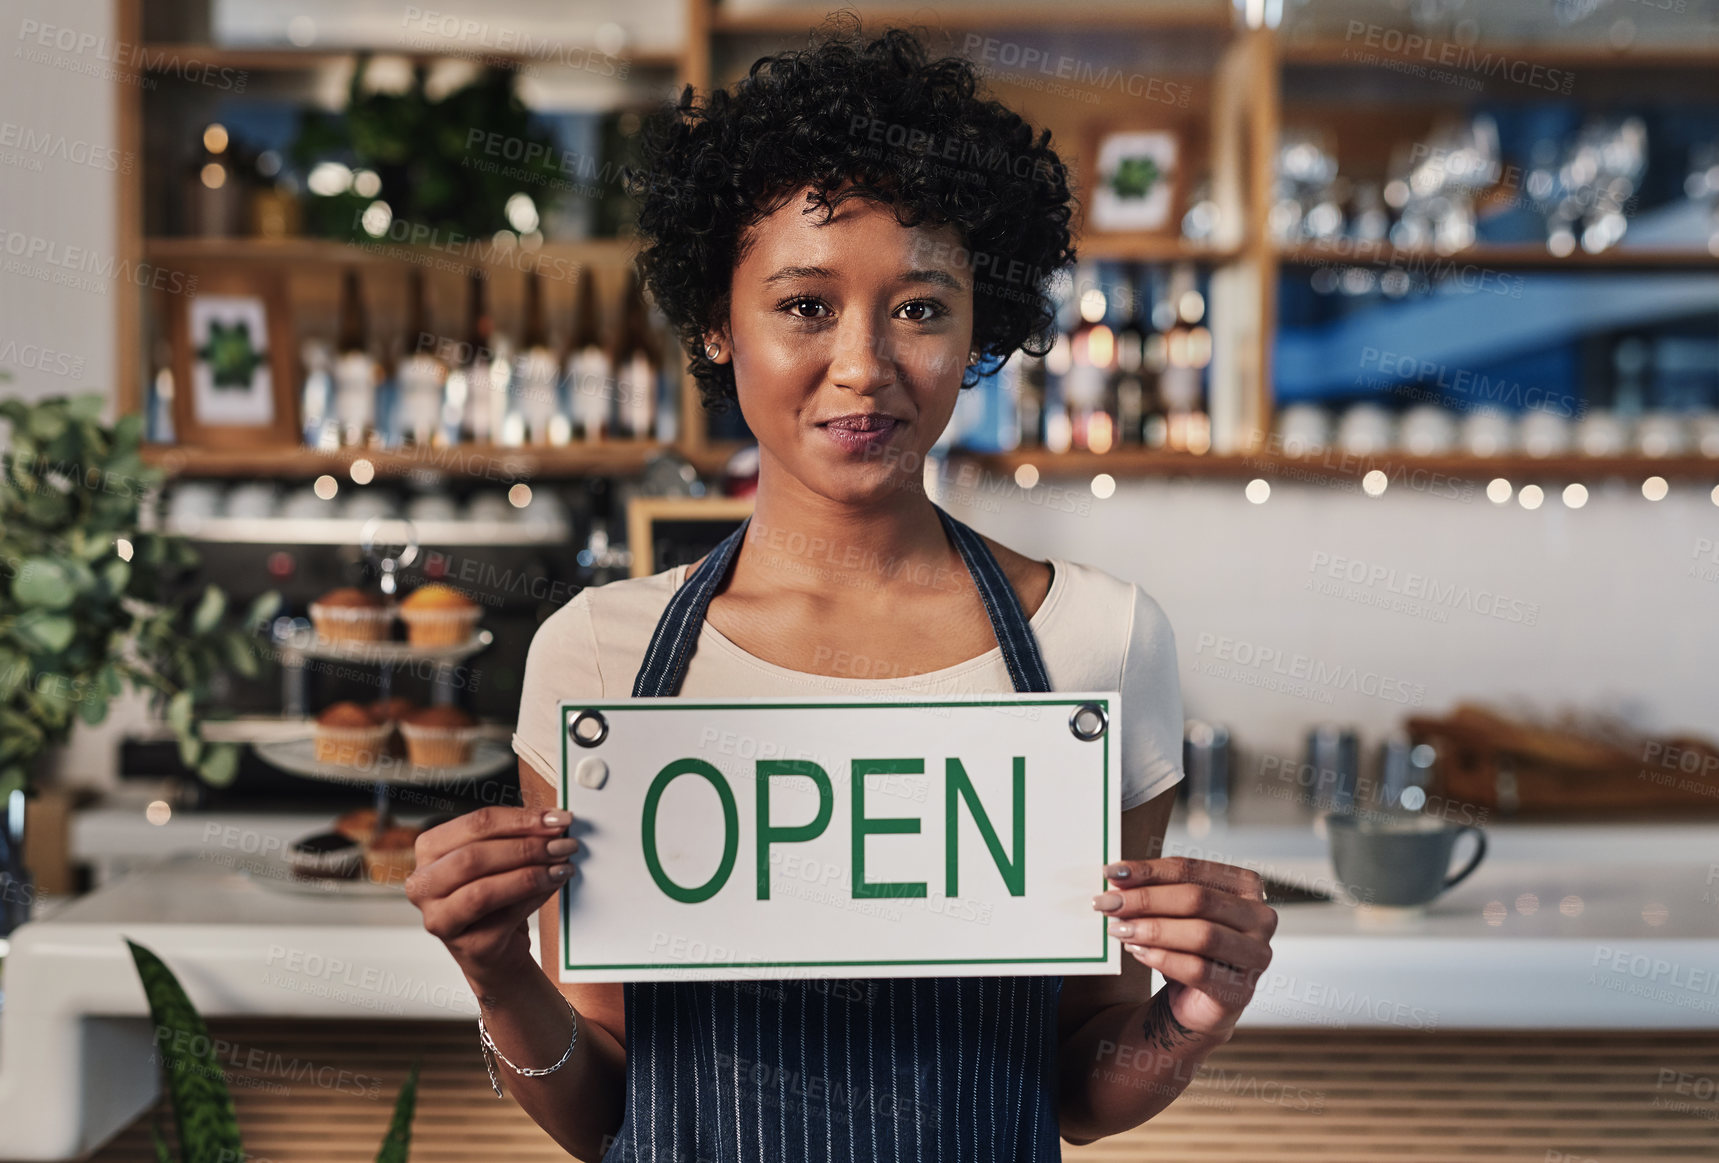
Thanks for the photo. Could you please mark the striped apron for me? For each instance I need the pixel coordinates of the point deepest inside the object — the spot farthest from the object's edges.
(888, 1069)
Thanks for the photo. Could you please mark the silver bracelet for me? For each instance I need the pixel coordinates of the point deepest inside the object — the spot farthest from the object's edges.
(491, 1053)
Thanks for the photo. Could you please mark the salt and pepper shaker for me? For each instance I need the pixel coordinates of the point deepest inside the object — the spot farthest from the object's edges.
(1206, 756)
(1334, 757)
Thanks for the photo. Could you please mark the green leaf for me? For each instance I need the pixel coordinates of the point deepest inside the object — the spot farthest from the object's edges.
(179, 713)
(398, 1143)
(162, 1154)
(220, 765)
(87, 406)
(116, 575)
(202, 1105)
(128, 431)
(49, 632)
(43, 582)
(242, 654)
(47, 509)
(92, 708)
(46, 423)
(14, 672)
(190, 751)
(209, 610)
(12, 779)
(263, 609)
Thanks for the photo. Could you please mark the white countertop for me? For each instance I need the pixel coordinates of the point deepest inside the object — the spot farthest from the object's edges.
(1562, 927)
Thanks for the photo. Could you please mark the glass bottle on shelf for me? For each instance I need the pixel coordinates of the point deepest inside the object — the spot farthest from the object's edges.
(588, 367)
(469, 385)
(536, 385)
(316, 400)
(422, 375)
(1187, 349)
(1090, 348)
(637, 367)
(1030, 403)
(1128, 383)
(158, 416)
(355, 369)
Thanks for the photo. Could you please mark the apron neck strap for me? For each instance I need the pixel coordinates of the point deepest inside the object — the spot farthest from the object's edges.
(677, 630)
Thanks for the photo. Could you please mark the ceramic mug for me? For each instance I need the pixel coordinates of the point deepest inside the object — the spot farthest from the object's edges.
(1398, 859)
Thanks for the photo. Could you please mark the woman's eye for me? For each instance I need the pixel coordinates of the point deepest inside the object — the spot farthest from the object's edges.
(793, 304)
(932, 310)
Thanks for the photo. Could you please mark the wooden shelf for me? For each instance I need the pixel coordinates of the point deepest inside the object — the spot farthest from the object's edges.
(468, 461)
(1338, 53)
(1148, 248)
(326, 252)
(1216, 18)
(1335, 465)
(1516, 255)
(170, 57)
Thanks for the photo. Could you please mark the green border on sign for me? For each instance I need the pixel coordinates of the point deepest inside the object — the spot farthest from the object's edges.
(674, 704)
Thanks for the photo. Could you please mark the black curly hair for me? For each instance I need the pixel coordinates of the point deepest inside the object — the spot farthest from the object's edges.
(909, 132)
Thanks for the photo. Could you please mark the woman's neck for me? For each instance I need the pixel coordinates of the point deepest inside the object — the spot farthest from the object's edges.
(798, 539)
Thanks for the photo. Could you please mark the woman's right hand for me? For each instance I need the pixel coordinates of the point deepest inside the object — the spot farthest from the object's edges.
(479, 878)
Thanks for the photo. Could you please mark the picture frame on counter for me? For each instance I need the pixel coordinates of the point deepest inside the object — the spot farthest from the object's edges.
(233, 365)
(681, 528)
(1135, 178)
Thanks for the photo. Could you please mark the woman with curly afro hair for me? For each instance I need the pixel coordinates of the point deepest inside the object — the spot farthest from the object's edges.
(844, 243)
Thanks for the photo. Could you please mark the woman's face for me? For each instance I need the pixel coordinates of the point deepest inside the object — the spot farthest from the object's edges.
(849, 340)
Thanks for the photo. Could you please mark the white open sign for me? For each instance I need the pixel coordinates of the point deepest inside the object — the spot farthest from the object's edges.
(837, 837)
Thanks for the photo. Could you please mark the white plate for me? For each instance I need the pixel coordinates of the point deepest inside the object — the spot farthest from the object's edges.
(308, 645)
(298, 756)
(274, 873)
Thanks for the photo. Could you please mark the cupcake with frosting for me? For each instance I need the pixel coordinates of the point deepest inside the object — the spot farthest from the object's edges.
(439, 736)
(351, 615)
(391, 856)
(350, 735)
(439, 615)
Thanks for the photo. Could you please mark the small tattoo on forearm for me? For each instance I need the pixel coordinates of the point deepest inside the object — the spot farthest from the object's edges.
(1162, 1029)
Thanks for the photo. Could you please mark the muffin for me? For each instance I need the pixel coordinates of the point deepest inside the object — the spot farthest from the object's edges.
(390, 857)
(350, 735)
(325, 856)
(439, 736)
(439, 615)
(350, 615)
(358, 824)
(391, 711)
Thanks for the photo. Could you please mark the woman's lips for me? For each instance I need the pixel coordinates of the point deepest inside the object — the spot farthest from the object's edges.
(848, 435)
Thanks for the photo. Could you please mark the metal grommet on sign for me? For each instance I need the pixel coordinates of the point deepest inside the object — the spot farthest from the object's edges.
(591, 736)
(1088, 721)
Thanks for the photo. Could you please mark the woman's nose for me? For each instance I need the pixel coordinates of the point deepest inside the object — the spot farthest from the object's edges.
(863, 360)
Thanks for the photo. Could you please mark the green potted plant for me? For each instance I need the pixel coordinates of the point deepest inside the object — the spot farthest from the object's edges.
(203, 1112)
(90, 603)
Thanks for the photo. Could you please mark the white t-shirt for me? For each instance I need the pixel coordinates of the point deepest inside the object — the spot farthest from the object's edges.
(1096, 632)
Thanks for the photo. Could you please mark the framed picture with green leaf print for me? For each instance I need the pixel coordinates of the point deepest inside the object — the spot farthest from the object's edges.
(1135, 176)
(234, 368)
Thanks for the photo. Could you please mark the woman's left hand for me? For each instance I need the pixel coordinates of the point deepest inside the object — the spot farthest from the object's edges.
(1205, 926)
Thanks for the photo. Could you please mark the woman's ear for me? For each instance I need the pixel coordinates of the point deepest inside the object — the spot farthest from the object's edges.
(717, 346)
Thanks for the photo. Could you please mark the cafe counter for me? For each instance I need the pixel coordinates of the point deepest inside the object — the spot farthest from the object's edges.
(1575, 928)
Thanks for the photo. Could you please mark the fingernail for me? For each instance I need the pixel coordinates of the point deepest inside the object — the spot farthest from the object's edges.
(1117, 872)
(1121, 929)
(560, 871)
(557, 819)
(561, 846)
(1105, 901)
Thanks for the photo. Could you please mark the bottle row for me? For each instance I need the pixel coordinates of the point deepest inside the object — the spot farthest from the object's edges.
(1127, 368)
(488, 386)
